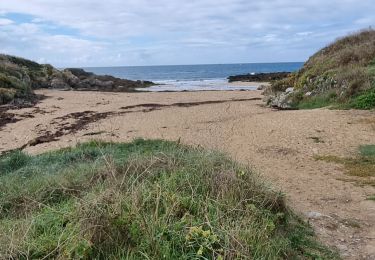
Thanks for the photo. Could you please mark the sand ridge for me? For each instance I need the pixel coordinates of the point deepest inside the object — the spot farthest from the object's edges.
(278, 144)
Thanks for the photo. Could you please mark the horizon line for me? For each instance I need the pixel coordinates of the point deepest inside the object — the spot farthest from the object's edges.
(198, 64)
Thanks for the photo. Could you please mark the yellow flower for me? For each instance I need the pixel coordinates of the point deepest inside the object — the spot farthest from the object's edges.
(206, 233)
(200, 251)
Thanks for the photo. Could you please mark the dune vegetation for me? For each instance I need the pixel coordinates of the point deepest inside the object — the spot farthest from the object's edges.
(17, 76)
(341, 74)
(144, 200)
(360, 167)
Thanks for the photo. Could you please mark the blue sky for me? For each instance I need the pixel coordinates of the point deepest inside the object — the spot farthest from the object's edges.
(145, 32)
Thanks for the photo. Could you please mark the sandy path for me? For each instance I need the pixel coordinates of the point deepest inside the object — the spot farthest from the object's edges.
(279, 144)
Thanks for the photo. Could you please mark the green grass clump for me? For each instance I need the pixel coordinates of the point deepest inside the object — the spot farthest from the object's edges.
(320, 101)
(144, 200)
(365, 100)
(362, 165)
(367, 150)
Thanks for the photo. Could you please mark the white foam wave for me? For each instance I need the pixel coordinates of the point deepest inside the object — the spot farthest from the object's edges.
(195, 85)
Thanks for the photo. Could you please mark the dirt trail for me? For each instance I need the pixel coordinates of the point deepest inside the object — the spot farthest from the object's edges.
(279, 144)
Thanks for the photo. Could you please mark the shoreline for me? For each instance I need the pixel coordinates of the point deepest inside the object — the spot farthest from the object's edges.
(211, 85)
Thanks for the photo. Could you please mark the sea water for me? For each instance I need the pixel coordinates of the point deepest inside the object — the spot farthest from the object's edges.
(194, 77)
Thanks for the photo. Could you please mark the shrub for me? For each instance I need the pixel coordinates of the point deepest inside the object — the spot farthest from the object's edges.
(364, 101)
(323, 100)
(144, 200)
(353, 79)
(6, 95)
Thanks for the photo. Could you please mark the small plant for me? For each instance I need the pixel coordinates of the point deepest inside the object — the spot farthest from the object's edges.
(364, 101)
(367, 150)
(204, 242)
(362, 166)
(318, 101)
(316, 139)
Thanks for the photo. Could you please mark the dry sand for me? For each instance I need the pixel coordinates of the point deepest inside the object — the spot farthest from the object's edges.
(278, 144)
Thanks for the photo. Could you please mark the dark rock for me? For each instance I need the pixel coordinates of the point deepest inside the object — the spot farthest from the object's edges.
(82, 80)
(259, 77)
(59, 83)
(80, 73)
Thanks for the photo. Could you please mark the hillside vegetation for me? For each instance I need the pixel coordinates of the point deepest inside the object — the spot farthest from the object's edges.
(341, 74)
(143, 200)
(18, 78)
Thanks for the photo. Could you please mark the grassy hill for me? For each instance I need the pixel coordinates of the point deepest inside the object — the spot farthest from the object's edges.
(143, 200)
(18, 76)
(341, 74)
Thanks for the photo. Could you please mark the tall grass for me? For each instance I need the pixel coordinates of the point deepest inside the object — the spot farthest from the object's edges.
(143, 200)
(345, 67)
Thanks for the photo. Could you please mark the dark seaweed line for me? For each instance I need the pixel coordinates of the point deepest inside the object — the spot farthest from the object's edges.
(86, 117)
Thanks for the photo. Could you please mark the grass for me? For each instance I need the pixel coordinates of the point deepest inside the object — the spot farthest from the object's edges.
(372, 197)
(365, 101)
(14, 80)
(144, 200)
(362, 166)
(324, 100)
(346, 68)
(367, 150)
(19, 76)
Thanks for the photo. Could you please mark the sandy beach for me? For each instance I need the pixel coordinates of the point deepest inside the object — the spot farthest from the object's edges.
(280, 145)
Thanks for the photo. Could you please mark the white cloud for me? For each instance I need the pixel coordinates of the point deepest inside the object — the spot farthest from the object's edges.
(178, 31)
(4, 22)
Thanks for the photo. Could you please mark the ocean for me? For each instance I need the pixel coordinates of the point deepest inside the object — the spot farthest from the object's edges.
(193, 77)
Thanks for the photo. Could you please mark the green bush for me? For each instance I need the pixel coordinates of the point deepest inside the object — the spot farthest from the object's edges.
(364, 101)
(318, 101)
(18, 76)
(144, 200)
(6, 95)
(24, 62)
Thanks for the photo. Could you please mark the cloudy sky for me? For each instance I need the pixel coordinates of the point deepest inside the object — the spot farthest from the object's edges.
(152, 32)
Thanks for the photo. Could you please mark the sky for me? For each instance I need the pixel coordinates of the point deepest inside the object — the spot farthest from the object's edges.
(83, 33)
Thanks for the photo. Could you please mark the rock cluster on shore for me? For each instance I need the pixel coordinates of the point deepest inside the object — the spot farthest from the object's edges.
(19, 77)
(79, 79)
(259, 77)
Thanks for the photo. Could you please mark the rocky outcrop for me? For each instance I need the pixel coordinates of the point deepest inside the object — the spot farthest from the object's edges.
(259, 77)
(18, 78)
(281, 100)
(81, 80)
